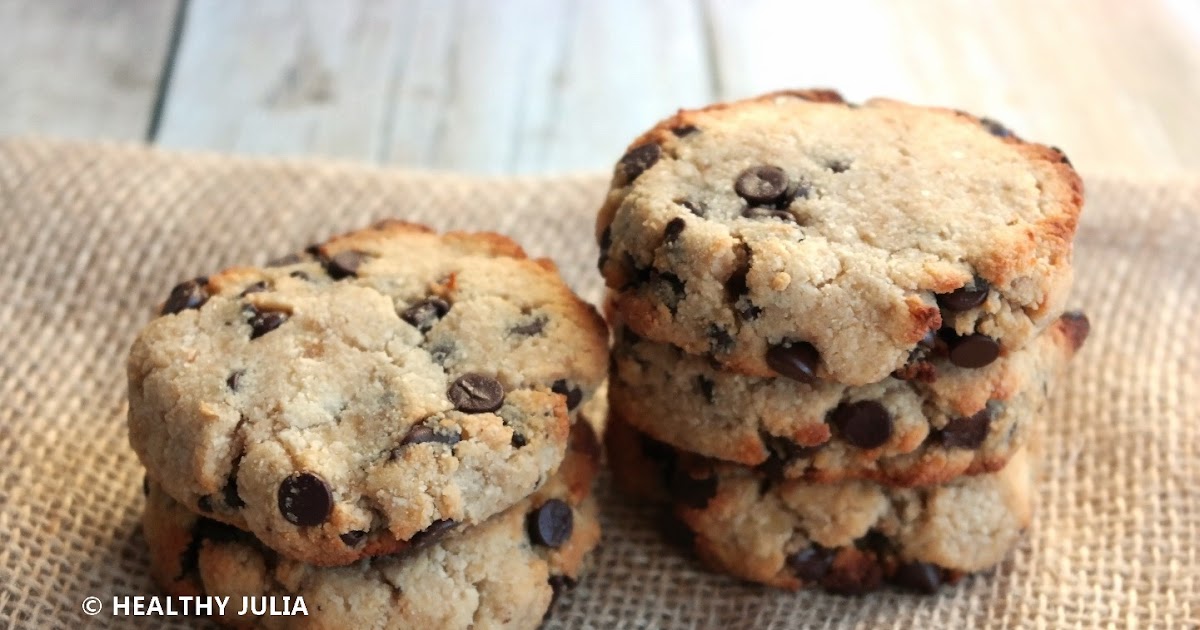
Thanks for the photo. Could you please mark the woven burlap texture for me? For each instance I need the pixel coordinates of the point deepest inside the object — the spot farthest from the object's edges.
(94, 236)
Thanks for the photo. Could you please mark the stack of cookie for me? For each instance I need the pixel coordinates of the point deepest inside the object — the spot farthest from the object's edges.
(384, 426)
(836, 325)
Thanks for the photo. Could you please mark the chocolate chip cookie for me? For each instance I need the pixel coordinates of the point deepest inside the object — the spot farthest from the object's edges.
(943, 421)
(796, 234)
(848, 538)
(377, 388)
(503, 573)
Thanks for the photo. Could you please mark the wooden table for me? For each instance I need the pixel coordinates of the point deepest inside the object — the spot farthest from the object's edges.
(504, 86)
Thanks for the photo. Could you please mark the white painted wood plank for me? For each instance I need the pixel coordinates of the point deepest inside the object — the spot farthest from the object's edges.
(285, 77)
(82, 69)
(1112, 82)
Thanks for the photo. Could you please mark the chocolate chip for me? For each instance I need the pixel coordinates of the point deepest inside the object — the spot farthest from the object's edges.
(435, 532)
(234, 380)
(762, 185)
(424, 314)
(695, 207)
(187, 294)
(550, 524)
(637, 161)
(694, 492)
(974, 351)
(353, 538)
(422, 433)
(205, 504)
(719, 339)
(518, 440)
(257, 287)
(564, 387)
(476, 393)
(263, 322)
(683, 131)
(758, 212)
(533, 327)
(811, 564)
(305, 499)
(995, 128)
(706, 388)
(968, 432)
(919, 576)
(865, 424)
(797, 360)
(1077, 326)
(966, 297)
(673, 230)
(838, 166)
(283, 261)
(344, 264)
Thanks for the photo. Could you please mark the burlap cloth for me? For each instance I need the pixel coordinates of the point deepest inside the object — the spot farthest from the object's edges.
(93, 236)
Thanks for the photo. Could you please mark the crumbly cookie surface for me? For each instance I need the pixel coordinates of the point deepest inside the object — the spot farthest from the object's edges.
(944, 422)
(502, 573)
(389, 382)
(800, 235)
(849, 537)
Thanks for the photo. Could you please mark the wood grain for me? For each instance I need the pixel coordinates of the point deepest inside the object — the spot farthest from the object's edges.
(82, 69)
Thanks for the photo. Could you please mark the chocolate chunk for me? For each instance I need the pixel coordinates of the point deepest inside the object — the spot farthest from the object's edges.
(797, 360)
(353, 538)
(263, 322)
(919, 576)
(344, 264)
(759, 212)
(811, 564)
(530, 328)
(476, 393)
(424, 314)
(966, 297)
(995, 128)
(706, 388)
(205, 504)
(865, 424)
(968, 432)
(762, 185)
(257, 287)
(736, 286)
(974, 351)
(518, 440)
(673, 230)
(283, 261)
(637, 161)
(550, 524)
(564, 387)
(719, 339)
(422, 433)
(1077, 327)
(694, 492)
(684, 131)
(695, 207)
(305, 499)
(234, 380)
(187, 294)
(435, 532)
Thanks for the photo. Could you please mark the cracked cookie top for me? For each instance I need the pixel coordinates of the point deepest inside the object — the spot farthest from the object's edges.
(799, 235)
(383, 386)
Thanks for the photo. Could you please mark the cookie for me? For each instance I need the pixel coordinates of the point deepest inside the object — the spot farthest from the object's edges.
(950, 421)
(389, 382)
(502, 573)
(849, 538)
(796, 234)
